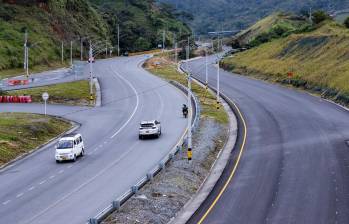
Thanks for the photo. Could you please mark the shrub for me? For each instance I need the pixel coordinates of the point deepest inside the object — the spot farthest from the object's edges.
(320, 16)
(346, 22)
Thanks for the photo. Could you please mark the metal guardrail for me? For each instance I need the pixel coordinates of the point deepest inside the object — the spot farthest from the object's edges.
(118, 202)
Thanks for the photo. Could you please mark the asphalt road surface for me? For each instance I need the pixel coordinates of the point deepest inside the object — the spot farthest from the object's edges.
(37, 190)
(294, 166)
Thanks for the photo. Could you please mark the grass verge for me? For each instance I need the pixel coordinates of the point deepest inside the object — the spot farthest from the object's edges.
(166, 69)
(21, 133)
(72, 93)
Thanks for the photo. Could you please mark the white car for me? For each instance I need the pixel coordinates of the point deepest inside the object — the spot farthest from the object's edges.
(69, 147)
(149, 128)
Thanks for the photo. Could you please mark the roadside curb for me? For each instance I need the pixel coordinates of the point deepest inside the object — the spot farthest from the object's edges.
(41, 147)
(217, 168)
(98, 92)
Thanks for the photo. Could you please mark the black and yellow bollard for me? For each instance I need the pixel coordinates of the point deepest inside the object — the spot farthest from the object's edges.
(190, 154)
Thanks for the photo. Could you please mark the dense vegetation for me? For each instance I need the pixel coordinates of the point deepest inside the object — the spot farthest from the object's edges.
(142, 23)
(210, 15)
(318, 59)
(49, 22)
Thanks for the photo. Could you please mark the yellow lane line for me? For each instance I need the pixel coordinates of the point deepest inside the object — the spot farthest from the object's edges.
(233, 171)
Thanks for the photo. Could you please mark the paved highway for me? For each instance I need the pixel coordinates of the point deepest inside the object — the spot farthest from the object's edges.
(37, 190)
(294, 165)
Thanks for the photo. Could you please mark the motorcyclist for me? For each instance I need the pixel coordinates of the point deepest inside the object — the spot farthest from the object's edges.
(185, 110)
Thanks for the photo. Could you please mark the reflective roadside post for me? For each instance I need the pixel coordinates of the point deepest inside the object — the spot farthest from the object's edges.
(45, 97)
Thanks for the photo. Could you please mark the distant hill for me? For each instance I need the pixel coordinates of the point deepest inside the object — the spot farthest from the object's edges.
(142, 23)
(273, 26)
(210, 15)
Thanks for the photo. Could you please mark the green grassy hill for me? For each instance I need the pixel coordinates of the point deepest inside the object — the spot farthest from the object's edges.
(273, 26)
(142, 23)
(319, 61)
(48, 23)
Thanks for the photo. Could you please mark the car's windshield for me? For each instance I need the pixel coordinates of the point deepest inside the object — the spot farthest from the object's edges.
(65, 144)
(149, 125)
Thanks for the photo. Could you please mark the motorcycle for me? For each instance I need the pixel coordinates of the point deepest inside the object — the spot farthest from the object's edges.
(185, 113)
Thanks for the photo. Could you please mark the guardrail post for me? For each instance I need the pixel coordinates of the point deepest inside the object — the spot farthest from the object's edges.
(163, 166)
(134, 189)
(116, 205)
(93, 221)
(150, 177)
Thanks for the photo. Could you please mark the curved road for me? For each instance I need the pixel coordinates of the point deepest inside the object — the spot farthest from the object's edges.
(37, 190)
(294, 166)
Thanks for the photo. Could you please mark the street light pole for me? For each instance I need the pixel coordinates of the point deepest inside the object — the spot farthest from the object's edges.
(90, 61)
(206, 68)
(62, 52)
(81, 49)
(189, 107)
(71, 54)
(25, 50)
(106, 48)
(218, 76)
(118, 40)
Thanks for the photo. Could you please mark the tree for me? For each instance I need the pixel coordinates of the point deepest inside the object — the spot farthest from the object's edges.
(346, 22)
(320, 16)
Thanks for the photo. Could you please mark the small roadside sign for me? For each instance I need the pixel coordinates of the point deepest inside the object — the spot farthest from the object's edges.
(290, 74)
(45, 97)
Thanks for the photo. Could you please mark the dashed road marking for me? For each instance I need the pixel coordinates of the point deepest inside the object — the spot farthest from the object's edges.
(31, 188)
(19, 195)
(6, 202)
(53, 176)
(42, 182)
(61, 171)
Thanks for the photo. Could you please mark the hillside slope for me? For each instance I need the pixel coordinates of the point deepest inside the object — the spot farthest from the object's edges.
(142, 23)
(210, 15)
(48, 23)
(319, 61)
(276, 25)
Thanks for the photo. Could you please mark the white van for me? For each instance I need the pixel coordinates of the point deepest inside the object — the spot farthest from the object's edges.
(69, 147)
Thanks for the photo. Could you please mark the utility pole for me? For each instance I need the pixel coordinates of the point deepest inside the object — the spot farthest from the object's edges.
(27, 62)
(25, 51)
(163, 41)
(310, 15)
(118, 40)
(90, 61)
(71, 54)
(62, 52)
(106, 48)
(189, 152)
(81, 49)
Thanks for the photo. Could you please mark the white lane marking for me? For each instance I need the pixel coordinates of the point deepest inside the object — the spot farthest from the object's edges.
(19, 195)
(70, 166)
(31, 188)
(53, 176)
(83, 184)
(42, 182)
(6, 202)
(136, 107)
(61, 171)
(161, 106)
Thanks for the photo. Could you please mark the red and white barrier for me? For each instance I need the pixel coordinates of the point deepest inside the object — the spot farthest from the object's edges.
(15, 99)
(16, 82)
